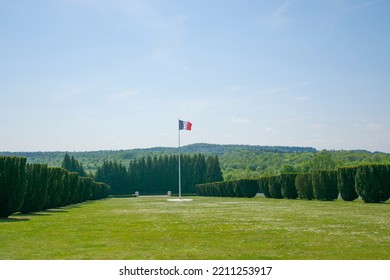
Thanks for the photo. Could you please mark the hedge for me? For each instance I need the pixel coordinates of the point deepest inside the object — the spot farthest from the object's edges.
(238, 188)
(325, 185)
(346, 183)
(36, 194)
(35, 187)
(304, 186)
(275, 188)
(12, 184)
(373, 182)
(264, 186)
(287, 183)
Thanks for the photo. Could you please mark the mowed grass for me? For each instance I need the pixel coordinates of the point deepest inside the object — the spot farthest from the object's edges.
(203, 229)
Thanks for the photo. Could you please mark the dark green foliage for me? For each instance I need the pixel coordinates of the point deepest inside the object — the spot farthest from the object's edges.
(213, 170)
(239, 188)
(158, 175)
(115, 175)
(373, 182)
(12, 184)
(88, 185)
(34, 187)
(264, 186)
(275, 188)
(55, 186)
(288, 189)
(325, 185)
(65, 194)
(304, 186)
(248, 187)
(72, 165)
(73, 179)
(36, 193)
(346, 183)
(99, 191)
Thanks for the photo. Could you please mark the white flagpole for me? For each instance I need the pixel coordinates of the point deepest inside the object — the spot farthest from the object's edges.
(179, 166)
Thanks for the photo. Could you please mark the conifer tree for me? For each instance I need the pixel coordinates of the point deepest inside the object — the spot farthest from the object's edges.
(12, 184)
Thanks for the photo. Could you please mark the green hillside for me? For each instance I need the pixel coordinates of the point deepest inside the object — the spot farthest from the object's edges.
(237, 161)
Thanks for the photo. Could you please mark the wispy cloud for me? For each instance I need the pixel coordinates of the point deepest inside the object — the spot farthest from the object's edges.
(374, 126)
(271, 130)
(278, 18)
(239, 120)
(67, 93)
(317, 125)
(363, 5)
(302, 98)
(121, 96)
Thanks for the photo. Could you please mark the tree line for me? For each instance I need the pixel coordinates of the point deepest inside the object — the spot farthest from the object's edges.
(236, 161)
(371, 182)
(159, 174)
(35, 187)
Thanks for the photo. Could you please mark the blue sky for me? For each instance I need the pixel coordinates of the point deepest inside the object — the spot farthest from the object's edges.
(79, 75)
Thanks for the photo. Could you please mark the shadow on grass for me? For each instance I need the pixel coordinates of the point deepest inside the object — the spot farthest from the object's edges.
(13, 220)
(54, 210)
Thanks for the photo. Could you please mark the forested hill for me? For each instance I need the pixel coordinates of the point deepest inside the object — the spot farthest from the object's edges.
(237, 161)
(55, 158)
(222, 149)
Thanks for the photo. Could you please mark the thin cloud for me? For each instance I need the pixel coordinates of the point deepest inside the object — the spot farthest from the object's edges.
(363, 5)
(239, 120)
(278, 18)
(271, 130)
(302, 98)
(317, 125)
(121, 96)
(374, 126)
(68, 93)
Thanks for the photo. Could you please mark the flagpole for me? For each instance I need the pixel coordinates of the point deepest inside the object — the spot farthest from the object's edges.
(179, 166)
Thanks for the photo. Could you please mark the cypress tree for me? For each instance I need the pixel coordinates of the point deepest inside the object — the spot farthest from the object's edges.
(372, 182)
(275, 188)
(55, 186)
(304, 186)
(72, 165)
(73, 179)
(346, 183)
(213, 169)
(12, 184)
(288, 189)
(325, 185)
(264, 186)
(36, 194)
(66, 163)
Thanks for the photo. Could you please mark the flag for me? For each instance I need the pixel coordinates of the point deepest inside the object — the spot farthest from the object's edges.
(183, 125)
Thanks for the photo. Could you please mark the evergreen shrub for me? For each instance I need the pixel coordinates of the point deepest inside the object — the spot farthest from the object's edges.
(346, 183)
(304, 186)
(325, 185)
(372, 182)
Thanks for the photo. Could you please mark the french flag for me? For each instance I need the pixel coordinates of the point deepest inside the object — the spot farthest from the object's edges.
(184, 125)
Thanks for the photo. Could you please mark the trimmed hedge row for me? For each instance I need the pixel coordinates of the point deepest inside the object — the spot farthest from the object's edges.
(370, 182)
(325, 185)
(12, 184)
(346, 183)
(239, 188)
(35, 187)
(304, 186)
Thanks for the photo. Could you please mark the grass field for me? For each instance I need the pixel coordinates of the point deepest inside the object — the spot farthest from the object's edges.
(204, 229)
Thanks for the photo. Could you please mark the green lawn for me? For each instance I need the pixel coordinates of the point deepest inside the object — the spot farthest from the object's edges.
(204, 229)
